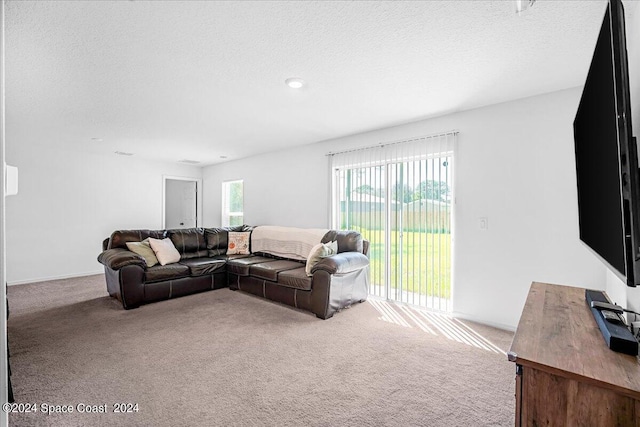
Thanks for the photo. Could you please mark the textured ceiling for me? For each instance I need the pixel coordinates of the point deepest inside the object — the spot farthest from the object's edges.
(172, 80)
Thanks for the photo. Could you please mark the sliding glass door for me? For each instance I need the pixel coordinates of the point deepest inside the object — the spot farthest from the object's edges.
(402, 204)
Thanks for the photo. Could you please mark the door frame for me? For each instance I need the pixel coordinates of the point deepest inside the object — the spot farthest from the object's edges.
(198, 182)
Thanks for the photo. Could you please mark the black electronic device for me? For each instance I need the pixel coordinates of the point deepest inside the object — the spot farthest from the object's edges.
(615, 333)
(606, 154)
(607, 306)
(612, 317)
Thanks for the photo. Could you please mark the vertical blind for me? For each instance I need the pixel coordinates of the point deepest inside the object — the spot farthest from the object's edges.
(399, 195)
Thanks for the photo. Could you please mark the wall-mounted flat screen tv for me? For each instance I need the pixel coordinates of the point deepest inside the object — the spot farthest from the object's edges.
(606, 154)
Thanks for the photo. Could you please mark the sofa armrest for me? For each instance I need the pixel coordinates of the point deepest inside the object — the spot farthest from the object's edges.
(118, 258)
(344, 262)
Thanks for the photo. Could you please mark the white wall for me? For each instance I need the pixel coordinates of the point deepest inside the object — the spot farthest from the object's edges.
(4, 381)
(69, 201)
(280, 188)
(515, 165)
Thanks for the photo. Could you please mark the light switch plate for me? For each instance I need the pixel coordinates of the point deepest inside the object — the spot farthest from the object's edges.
(11, 180)
(483, 223)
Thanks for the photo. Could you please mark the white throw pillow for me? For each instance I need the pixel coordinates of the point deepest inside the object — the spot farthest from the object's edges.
(144, 250)
(333, 247)
(238, 243)
(319, 251)
(165, 251)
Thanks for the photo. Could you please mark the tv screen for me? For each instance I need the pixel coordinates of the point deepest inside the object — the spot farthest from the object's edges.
(606, 154)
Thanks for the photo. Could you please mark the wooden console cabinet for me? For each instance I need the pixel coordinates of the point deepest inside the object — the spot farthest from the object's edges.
(565, 373)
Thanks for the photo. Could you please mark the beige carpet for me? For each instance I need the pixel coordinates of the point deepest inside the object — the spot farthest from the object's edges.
(228, 358)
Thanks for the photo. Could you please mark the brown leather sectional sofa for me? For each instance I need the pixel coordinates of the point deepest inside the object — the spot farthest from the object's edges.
(336, 282)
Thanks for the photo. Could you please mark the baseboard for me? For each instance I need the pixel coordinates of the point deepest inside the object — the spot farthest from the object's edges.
(46, 279)
(463, 316)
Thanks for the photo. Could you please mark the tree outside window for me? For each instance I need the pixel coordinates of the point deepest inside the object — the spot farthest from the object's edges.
(232, 203)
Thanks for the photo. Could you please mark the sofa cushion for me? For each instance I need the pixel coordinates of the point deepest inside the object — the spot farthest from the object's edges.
(119, 238)
(229, 257)
(166, 272)
(348, 240)
(296, 278)
(270, 270)
(190, 242)
(203, 266)
(217, 240)
(165, 251)
(240, 266)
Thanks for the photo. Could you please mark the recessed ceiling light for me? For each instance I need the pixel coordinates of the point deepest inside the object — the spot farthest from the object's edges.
(294, 82)
(96, 139)
(122, 153)
(223, 157)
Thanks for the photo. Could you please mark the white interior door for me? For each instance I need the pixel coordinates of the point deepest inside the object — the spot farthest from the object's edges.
(181, 198)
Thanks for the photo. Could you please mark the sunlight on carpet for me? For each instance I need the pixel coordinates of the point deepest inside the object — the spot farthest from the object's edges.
(432, 323)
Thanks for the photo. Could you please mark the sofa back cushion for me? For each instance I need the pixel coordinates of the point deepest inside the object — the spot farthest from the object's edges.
(190, 242)
(348, 240)
(119, 238)
(217, 240)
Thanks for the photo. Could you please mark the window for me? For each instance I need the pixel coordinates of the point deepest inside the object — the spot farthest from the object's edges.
(232, 203)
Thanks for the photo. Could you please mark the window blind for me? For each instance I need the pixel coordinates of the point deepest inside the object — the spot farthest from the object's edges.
(399, 196)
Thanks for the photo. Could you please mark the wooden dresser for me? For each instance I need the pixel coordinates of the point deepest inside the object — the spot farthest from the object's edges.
(565, 373)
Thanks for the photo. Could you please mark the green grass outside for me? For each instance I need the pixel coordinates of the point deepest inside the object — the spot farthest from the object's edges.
(422, 271)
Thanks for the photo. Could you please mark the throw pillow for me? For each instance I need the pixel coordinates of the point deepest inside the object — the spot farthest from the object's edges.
(333, 247)
(319, 251)
(144, 250)
(238, 243)
(165, 251)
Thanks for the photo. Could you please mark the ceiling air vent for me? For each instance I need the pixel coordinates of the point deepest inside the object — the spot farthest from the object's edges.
(191, 162)
(122, 153)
